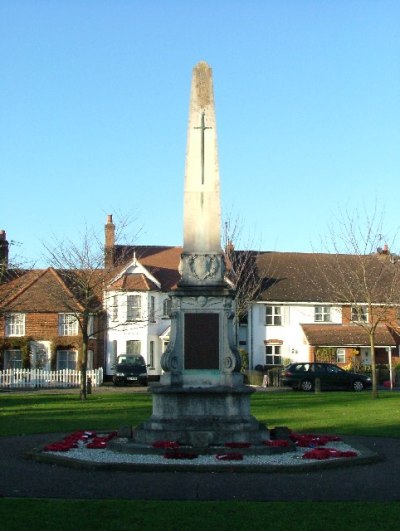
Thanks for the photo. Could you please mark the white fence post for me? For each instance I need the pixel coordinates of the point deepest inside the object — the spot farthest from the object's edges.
(28, 378)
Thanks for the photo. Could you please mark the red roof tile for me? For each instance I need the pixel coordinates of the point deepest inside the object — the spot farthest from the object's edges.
(338, 335)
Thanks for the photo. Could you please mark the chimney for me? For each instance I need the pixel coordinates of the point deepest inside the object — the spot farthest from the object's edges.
(109, 247)
(3, 249)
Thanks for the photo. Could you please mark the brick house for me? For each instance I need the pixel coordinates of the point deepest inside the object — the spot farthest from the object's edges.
(38, 324)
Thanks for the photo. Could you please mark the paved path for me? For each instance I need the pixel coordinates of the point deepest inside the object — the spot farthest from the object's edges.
(20, 477)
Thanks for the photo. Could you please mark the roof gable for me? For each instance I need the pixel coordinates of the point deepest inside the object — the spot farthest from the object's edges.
(41, 291)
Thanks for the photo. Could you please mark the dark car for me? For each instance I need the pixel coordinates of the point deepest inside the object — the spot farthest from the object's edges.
(130, 369)
(302, 376)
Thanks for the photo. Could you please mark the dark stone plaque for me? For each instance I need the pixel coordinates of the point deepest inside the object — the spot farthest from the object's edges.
(201, 341)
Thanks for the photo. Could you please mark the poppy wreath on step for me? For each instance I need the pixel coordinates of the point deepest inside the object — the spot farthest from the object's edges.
(78, 439)
(311, 439)
(327, 453)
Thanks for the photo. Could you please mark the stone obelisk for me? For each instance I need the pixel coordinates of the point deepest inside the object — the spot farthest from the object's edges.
(201, 400)
(202, 216)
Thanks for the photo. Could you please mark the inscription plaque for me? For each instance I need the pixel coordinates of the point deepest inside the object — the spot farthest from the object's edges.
(201, 341)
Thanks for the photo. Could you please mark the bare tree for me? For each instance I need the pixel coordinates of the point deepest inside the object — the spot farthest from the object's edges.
(85, 269)
(241, 267)
(362, 275)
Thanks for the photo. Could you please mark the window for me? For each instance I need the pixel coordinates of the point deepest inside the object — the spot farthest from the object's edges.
(114, 308)
(134, 307)
(359, 314)
(273, 315)
(340, 355)
(67, 324)
(151, 354)
(12, 359)
(167, 305)
(15, 324)
(133, 347)
(273, 355)
(66, 359)
(152, 309)
(322, 314)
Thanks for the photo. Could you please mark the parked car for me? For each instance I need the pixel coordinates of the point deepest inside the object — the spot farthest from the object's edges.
(302, 376)
(130, 369)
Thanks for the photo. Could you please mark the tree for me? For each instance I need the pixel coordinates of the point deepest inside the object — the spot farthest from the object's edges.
(242, 268)
(85, 266)
(361, 275)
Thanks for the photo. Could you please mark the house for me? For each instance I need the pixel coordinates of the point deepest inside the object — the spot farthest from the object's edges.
(303, 312)
(136, 300)
(298, 308)
(38, 324)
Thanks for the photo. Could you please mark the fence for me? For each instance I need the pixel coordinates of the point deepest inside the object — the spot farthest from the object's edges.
(35, 378)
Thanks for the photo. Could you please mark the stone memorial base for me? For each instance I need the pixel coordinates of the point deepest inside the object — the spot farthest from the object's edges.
(201, 417)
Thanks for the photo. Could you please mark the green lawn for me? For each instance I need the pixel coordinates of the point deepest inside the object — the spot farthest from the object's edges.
(341, 413)
(121, 515)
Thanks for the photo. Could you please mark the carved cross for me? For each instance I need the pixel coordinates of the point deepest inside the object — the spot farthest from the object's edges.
(202, 128)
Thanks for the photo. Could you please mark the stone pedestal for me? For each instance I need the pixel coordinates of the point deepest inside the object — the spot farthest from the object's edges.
(201, 417)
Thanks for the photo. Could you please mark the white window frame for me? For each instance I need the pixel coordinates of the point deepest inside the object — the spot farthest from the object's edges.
(68, 324)
(13, 359)
(340, 355)
(114, 308)
(359, 314)
(167, 306)
(71, 360)
(133, 307)
(274, 352)
(15, 324)
(322, 314)
(152, 309)
(273, 315)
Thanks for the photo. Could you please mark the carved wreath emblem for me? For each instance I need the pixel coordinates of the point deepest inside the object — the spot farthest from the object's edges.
(203, 266)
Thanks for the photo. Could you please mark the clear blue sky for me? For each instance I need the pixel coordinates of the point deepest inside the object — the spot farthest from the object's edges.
(94, 103)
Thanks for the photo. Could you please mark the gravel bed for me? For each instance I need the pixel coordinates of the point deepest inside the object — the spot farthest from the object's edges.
(104, 456)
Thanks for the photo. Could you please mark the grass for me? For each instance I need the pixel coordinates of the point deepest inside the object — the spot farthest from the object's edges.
(341, 413)
(127, 515)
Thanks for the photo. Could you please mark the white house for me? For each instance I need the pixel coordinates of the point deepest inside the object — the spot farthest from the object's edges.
(137, 306)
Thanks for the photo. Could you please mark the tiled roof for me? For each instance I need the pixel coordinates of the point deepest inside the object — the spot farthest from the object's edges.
(313, 277)
(134, 282)
(161, 261)
(44, 290)
(338, 335)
